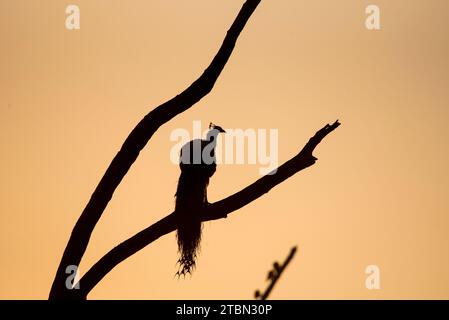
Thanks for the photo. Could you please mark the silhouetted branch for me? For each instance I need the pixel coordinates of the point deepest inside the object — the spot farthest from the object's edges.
(132, 146)
(274, 275)
(214, 211)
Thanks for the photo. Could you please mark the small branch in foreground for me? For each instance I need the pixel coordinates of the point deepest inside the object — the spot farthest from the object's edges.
(214, 211)
(274, 275)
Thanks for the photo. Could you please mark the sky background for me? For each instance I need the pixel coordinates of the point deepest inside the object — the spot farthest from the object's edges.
(377, 195)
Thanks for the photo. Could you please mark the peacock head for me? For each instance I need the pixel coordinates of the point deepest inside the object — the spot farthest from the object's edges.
(214, 130)
(218, 128)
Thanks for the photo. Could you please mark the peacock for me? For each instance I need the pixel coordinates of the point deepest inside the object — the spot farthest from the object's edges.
(197, 164)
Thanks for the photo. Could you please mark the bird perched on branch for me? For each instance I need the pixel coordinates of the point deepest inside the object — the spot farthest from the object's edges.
(197, 163)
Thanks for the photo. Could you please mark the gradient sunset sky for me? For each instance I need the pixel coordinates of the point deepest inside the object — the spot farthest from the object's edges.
(378, 195)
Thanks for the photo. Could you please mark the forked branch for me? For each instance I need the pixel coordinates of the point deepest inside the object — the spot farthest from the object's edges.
(214, 211)
(131, 148)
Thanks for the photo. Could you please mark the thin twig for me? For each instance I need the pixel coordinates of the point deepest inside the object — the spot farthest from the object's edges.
(274, 275)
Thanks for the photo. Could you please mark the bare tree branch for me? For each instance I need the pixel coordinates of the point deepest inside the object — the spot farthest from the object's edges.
(275, 274)
(132, 146)
(214, 211)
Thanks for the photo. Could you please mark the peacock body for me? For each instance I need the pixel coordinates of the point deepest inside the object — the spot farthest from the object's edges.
(197, 164)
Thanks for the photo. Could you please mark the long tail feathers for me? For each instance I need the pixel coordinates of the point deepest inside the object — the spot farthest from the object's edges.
(189, 237)
(190, 199)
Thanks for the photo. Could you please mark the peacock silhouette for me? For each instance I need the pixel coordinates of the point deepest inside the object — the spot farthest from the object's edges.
(198, 164)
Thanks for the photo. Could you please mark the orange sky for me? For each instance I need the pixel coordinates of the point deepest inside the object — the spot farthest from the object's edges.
(378, 194)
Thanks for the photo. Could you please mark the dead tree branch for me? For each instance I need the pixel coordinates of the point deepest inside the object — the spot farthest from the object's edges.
(132, 146)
